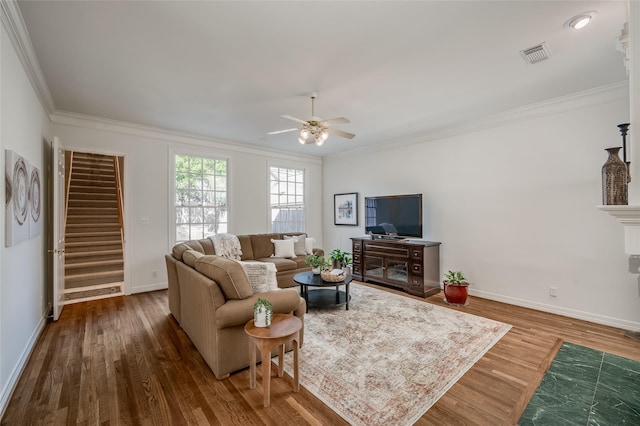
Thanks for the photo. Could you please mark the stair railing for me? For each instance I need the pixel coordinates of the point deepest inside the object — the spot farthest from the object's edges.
(68, 170)
(116, 165)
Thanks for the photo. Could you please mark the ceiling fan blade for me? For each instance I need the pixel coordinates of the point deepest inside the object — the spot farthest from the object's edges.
(288, 117)
(282, 131)
(341, 133)
(332, 121)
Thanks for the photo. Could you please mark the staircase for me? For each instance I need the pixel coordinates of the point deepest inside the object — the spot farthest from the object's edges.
(94, 262)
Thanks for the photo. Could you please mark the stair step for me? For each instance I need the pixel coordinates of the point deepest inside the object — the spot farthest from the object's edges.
(81, 254)
(93, 173)
(109, 252)
(93, 230)
(92, 195)
(91, 211)
(88, 247)
(95, 264)
(87, 189)
(76, 182)
(93, 203)
(81, 237)
(84, 280)
(112, 272)
(88, 224)
(86, 218)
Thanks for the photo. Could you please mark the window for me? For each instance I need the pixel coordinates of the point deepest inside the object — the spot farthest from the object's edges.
(287, 200)
(201, 206)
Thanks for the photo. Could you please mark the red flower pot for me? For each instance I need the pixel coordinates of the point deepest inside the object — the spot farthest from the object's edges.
(456, 294)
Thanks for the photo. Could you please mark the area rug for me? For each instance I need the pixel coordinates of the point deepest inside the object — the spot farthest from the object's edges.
(584, 386)
(389, 358)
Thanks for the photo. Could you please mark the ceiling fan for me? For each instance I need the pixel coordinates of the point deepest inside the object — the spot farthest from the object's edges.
(316, 130)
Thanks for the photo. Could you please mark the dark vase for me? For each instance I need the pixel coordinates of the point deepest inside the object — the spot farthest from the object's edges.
(614, 179)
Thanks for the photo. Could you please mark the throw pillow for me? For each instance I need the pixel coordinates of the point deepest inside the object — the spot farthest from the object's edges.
(229, 275)
(284, 248)
(309, 243)
(189, 257)
(299, 245)
(262, 276)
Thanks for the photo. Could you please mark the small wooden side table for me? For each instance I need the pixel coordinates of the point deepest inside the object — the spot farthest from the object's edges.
(284, 328)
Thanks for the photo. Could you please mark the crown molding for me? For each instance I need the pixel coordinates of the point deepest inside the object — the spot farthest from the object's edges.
(14, 24)
(139, 130)
(579, 100)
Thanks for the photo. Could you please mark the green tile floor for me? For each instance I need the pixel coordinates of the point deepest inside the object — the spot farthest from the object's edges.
(586, 387)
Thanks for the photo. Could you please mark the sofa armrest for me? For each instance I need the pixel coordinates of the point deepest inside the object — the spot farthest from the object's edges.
(239, 312)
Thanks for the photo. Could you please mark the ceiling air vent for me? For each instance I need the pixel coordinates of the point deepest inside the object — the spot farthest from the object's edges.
(536, 53)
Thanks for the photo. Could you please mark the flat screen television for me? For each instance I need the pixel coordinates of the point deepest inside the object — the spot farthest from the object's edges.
(394, 215)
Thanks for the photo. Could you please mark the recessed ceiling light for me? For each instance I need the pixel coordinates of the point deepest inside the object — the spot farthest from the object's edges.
(581, 20)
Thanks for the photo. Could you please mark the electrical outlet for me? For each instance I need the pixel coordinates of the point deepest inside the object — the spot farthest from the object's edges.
(144, 220)
(553, 291)
(154, 274)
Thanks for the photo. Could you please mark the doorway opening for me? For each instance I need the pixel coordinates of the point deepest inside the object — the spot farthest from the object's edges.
(94, 227)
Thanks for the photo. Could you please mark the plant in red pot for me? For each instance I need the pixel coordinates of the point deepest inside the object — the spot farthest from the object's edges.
(455, 288)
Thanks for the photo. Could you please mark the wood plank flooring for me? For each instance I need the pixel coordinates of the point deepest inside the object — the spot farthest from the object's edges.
(125, 360)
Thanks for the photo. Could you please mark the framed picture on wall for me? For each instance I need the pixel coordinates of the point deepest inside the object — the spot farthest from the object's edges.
(345, 209)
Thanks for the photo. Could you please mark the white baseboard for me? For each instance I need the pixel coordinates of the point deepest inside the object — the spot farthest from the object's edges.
(146, 288)
(559, 310)
(10, 386)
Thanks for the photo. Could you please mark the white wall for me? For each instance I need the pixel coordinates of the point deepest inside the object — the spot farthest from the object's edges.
(147, 155)
(514, 205)
(24, 128)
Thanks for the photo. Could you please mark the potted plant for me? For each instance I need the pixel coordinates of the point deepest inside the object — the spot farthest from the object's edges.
(455, 288)
(262, 313)
(339, 258)
(315, 261)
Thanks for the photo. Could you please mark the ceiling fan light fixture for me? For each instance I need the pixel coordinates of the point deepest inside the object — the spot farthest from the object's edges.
(323, 135)
(304, 133)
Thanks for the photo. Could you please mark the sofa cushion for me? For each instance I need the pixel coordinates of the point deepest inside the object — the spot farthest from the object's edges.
(229, 275)
(180, 248)
(284, 248)
(245, 245)
(262, 245)
(299, 245)
(190, 256)
(281, 263)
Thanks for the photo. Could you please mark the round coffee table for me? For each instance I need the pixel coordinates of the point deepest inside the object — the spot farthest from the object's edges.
(324, 297)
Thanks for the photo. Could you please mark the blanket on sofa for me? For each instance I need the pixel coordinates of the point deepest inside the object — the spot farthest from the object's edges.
(262, 275)
(227, 245)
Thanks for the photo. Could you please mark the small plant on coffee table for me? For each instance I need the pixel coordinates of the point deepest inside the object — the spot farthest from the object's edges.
(340, 258)
(315, 261)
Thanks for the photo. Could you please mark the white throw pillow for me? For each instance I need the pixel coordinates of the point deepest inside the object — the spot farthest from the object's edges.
(284, 248)
(309, 243)
(261, 275)
(300, 245)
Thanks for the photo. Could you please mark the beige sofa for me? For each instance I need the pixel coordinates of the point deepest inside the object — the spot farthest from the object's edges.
(256, 247)
(212, 299)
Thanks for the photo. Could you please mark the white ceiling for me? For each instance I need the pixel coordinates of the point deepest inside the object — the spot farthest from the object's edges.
(229, 70)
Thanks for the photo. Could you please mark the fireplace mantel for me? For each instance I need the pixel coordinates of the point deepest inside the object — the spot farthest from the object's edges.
(629, 217)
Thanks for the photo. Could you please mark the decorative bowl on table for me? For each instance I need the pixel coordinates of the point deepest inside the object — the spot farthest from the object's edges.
(333, 275)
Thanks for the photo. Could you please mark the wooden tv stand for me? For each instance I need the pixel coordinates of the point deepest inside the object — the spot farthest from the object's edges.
(411, 265)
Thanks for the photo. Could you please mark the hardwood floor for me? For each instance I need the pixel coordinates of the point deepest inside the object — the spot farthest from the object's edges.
(125, 360)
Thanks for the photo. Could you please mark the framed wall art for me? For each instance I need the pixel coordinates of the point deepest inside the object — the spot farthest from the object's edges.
(345, 209)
